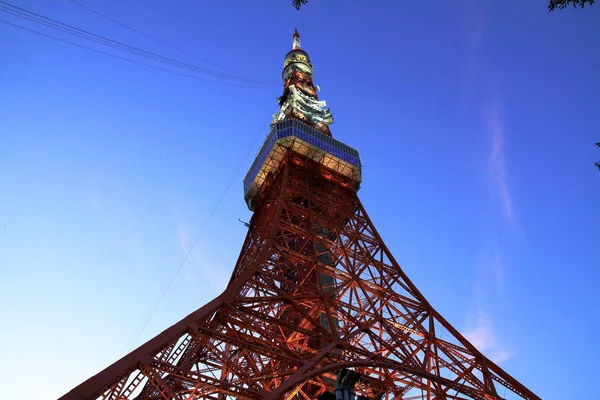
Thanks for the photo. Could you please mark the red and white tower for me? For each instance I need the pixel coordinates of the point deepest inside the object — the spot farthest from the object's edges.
(315, 291)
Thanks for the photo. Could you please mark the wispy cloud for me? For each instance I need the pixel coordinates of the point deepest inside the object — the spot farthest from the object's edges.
(473, 81)
(488, 291)
(490, 271)
(497, 161)
(489, 287)
(482, 335)
(95, 202)
(93, 196)
(474, 25)
(195, 265)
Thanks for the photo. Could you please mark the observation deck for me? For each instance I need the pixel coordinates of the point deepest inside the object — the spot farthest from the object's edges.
(307, 141)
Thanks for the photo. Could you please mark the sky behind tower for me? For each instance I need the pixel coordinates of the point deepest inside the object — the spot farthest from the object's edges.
(475, 120)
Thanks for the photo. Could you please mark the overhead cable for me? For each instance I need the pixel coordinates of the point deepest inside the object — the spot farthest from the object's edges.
(191, 245)
(119, 57)
(152, 37)
(69, 29)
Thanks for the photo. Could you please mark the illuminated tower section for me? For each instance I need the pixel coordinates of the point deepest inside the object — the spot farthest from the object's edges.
(299, 100)
(300, 134)
(314, 293)
(301, 125)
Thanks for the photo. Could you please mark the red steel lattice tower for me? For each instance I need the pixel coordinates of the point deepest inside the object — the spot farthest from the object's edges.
(314, 291)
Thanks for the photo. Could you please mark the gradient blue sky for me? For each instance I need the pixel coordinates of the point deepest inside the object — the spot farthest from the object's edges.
(476, 123)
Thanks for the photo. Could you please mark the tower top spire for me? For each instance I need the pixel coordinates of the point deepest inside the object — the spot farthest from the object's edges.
(299, 100)
(296, 44)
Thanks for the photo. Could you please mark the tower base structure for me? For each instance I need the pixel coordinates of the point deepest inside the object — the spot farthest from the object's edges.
(315, 290)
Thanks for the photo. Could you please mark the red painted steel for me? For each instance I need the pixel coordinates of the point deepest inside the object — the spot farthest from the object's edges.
(314, 290)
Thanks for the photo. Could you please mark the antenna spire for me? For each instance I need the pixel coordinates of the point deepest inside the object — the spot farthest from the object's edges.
(296, 44)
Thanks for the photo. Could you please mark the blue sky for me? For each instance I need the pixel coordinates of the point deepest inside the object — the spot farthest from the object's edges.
(476, 123)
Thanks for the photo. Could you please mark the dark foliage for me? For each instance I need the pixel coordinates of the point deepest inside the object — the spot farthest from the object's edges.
(561, 4)
(552, 5)
(298, 3)
(598, 163)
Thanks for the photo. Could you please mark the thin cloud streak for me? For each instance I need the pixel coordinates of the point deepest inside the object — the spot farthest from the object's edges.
(473, 78)
(497, 163)
(483, 337)
(211, 275)
(474, 22)
(95, 202)
(496, 270)
(490, 277)
(480, 327)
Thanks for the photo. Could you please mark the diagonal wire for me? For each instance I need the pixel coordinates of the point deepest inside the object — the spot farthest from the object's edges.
(154, 38)
(54, 24)
(122, 58)
(22, 13)
(191, 246)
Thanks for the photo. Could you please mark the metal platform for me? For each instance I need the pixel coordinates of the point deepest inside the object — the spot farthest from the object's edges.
(305, 140)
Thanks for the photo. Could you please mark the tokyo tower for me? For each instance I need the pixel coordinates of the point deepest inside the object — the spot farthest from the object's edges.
(317, 307)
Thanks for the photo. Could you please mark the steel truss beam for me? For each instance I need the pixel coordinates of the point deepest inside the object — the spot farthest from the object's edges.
(314, 290)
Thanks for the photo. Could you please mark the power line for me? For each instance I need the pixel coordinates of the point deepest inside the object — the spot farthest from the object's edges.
(25, 14)
(54, 24)
(151, 37)
(191, 246)
(119, 57)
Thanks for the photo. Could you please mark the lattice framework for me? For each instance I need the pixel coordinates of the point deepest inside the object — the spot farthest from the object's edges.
(314, 290)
